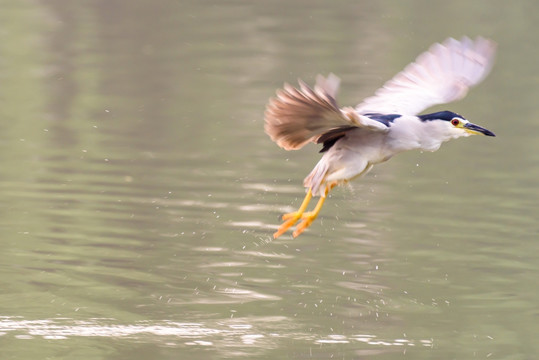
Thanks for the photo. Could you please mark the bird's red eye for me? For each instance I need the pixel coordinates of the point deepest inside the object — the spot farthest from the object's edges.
(455, 122)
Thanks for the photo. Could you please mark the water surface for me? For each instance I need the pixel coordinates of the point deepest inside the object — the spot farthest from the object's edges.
(139, 191)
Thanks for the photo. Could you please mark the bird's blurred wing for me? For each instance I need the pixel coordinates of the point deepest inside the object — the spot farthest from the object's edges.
(296, 116)
(440, 75)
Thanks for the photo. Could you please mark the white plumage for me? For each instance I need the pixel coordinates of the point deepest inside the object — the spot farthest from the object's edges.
(440, 75)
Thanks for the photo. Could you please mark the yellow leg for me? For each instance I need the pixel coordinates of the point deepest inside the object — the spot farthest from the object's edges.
(309, 217)
(293, 217)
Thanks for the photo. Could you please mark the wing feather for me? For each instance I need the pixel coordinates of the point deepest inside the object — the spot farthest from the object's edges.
(296, 116)
(440, 75)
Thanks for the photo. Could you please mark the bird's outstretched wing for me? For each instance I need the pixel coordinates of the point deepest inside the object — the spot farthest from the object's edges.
(440, 75)
(296, 116)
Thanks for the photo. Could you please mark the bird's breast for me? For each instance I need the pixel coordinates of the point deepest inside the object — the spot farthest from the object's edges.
(367, 145)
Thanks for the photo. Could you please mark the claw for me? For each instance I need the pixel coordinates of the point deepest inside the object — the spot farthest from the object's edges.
(285, 226)
(307, 218)
(291, 218)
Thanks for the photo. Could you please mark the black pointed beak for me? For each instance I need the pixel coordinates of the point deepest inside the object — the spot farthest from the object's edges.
(476, 129)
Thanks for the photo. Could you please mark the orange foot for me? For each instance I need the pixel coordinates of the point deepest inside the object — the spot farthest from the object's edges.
(291, 218)
(307, 217)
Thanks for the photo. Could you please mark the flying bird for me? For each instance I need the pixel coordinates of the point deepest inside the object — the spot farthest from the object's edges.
(387, 123)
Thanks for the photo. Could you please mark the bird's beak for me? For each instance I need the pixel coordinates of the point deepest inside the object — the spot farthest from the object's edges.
(476, 129)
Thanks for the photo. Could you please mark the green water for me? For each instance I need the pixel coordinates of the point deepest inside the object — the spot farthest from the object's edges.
(138, 191)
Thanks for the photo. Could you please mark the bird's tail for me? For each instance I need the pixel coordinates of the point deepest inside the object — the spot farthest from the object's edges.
(317, 177)
(296, 116)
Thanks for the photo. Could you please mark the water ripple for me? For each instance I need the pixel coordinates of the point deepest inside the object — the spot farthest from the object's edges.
(259, 331)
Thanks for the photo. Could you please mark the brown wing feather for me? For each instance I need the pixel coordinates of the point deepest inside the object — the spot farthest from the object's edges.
(296, 116)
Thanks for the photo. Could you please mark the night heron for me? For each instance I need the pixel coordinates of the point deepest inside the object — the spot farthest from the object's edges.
(355, 139)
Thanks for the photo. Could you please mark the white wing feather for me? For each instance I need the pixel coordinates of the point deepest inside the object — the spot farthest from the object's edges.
(440, 75)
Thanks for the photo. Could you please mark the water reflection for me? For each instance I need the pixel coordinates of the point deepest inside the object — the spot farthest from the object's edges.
(262, 333)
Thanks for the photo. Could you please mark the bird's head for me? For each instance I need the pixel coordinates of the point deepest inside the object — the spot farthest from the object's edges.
(452, 125)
